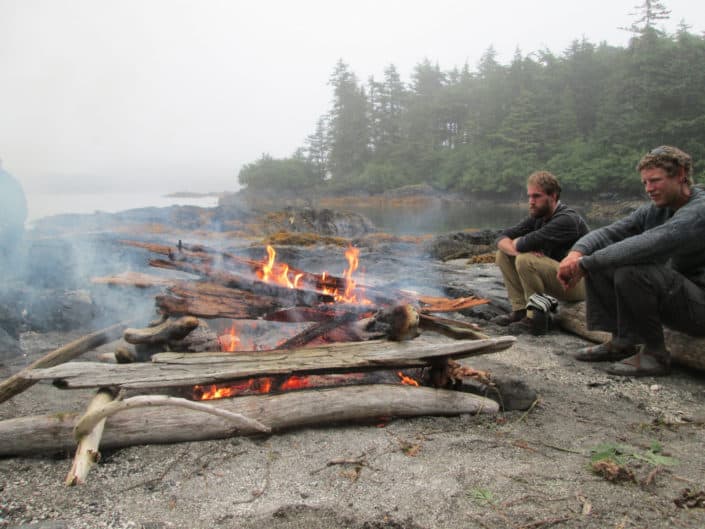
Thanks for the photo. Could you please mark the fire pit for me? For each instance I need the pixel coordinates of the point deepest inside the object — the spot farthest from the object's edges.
(294, 348)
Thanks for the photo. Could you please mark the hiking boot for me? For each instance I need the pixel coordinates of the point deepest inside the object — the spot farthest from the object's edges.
(539, 322)
(536, 326)
(505, 319)
(605, 352)
(642, 365)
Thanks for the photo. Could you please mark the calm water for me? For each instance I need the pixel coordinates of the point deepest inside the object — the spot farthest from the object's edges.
(441, 217)
(45, 204)
(433, 216)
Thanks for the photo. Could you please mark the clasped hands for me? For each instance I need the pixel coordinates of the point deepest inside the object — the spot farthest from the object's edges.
(569, 270)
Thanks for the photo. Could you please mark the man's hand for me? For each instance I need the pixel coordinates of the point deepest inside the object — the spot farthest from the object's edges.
(569, 271)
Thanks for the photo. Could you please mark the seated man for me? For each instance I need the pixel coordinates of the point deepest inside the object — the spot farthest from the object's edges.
(528, 253)
(646, 270)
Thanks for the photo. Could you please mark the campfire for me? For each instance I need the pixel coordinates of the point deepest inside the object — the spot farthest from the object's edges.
(253, 346)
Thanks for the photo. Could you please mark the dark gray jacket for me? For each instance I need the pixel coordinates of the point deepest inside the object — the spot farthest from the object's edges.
(553, 236)
(652, 235)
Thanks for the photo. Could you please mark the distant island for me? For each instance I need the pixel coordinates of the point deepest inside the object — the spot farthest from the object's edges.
(190, 194)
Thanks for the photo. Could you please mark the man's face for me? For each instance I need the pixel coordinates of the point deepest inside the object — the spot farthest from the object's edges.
(540, 204)
(663, 190)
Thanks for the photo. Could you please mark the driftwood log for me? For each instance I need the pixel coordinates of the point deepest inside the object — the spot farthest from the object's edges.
(87, 453)
(296, 409)
(18, 382)
(182, 369)
(163, 332)
(685, 350)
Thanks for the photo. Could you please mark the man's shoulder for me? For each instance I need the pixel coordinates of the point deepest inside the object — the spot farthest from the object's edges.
(563, 210)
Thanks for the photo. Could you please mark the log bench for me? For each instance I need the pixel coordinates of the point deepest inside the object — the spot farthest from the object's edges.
(688, 351)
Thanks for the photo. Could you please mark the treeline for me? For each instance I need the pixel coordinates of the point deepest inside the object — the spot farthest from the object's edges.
(587, 115)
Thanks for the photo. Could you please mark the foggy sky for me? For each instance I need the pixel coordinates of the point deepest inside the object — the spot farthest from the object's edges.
(177, 94)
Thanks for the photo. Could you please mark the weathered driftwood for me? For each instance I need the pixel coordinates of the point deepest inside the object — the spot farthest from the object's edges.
(18, 382)
(87, 453)
(296, 409)
(98, 414)
(179, 369)
(211, 300)
(162, 333)
(134, 279)
(571, 318)
(453, 329)
(439, 304)
(686, 350)
(288, 296)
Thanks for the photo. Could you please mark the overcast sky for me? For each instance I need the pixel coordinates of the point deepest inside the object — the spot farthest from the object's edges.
(178, 94)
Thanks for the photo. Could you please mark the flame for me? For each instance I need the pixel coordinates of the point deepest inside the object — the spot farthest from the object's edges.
(214, 391)
(407, 380)
(295, 382)
(229, 342)
(276, 273)
(279, 273)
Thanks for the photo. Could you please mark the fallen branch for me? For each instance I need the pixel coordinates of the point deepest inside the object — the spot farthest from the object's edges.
(165, 331)
(92, 418)
(18, 382)
(87, 453)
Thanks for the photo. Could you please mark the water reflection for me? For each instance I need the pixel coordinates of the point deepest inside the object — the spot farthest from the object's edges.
(440, 216)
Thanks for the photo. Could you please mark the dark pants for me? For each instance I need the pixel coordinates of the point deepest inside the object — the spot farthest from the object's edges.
(634, 302)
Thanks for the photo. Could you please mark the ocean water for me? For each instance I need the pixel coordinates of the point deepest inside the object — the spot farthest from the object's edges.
(41, 205)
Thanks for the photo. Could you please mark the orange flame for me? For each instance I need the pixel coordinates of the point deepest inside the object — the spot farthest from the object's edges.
(276, 273)
(279, 273)
(295, 382)
(214, 391)
(229, 342)
(407, 380)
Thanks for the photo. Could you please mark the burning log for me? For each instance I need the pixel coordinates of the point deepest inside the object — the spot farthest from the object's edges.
(53, 433)
(179, 369)
(162, 333)
(291, 296)
(18, 382)
(211, 300)
(87, 453)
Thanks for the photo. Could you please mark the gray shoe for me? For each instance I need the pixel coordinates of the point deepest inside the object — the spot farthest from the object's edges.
(642, 365)
(605, 352)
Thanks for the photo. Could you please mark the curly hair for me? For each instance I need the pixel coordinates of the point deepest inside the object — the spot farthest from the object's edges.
(670, 159)
(546, 181)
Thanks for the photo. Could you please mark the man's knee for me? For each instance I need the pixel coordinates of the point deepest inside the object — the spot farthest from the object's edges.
(637, 275)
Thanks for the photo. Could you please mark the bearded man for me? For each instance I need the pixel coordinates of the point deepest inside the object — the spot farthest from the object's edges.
(529, 253)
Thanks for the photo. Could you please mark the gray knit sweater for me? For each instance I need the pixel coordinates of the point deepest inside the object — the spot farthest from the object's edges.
(652, 235)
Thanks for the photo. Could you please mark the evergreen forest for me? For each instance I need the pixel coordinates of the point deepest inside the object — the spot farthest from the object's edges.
(587, 115)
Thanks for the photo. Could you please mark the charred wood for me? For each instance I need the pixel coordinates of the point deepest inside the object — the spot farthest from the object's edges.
(178, 369)
(162, 333)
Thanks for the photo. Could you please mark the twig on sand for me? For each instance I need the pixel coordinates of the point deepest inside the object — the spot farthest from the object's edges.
(544, 523)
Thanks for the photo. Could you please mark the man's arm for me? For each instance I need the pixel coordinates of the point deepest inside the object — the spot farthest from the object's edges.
(507, 246)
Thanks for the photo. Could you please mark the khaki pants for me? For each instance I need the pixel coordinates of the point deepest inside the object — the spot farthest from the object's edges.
(527, 274)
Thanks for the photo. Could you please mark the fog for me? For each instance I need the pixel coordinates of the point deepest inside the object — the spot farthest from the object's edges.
(176, 95)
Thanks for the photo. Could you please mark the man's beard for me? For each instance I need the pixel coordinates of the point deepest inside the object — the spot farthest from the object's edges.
(538, 213)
